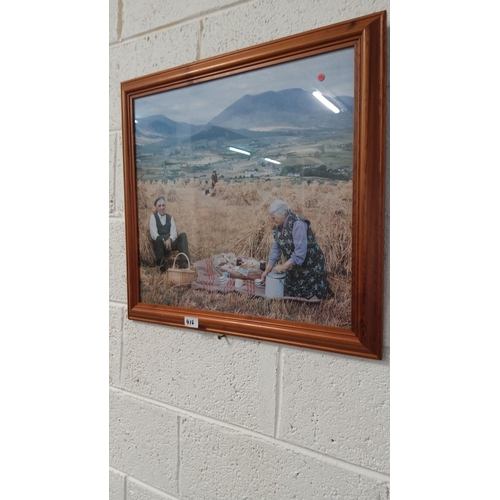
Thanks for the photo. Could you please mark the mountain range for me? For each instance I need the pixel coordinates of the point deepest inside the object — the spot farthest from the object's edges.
(295, 108)
(285, 109)
(159, 127)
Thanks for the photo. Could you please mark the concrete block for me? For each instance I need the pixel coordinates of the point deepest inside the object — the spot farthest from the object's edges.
(112, 169)
(115, 336)
(147, 55)
(114, 17)
(147, 15)
(387, 285)
(220, 463)
(261, 21)
(119, 182)
(143, 441)
(116, 485)
(231, 379)
(117, 261)
(337, 405)
(138, 491)
(116, 176)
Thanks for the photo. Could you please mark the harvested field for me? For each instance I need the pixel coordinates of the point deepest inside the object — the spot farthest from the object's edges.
(234, 219)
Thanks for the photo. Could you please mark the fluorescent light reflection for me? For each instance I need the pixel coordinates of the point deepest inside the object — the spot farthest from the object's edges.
(236, 150)
(323, 100)
(272, 161)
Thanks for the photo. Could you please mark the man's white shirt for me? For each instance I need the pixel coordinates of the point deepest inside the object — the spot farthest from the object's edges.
(163, 219)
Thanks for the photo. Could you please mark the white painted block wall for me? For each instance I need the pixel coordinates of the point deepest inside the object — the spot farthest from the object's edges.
(193, 417)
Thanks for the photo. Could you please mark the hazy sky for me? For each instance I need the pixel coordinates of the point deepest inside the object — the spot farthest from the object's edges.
(198, 104)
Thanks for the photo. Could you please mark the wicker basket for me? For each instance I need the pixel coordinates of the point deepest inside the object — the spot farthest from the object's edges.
(180, 276)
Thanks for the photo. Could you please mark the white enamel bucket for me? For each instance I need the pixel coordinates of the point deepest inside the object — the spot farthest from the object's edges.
(275, 285)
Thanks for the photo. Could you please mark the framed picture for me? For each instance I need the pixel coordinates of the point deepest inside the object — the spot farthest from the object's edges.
(254, 191)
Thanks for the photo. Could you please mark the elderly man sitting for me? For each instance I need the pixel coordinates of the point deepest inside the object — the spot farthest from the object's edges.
(164, 233)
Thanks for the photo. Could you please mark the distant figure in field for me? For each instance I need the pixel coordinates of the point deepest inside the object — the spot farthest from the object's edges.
(164, 234)
(305, 266)
(214, 179)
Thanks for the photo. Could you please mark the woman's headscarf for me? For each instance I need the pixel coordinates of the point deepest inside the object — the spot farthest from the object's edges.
(279, 208)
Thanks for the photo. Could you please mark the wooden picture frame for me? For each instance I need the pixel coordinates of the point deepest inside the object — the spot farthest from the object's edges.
(364, 39)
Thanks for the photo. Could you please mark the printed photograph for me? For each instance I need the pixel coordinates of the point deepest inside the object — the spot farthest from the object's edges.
(245, 189)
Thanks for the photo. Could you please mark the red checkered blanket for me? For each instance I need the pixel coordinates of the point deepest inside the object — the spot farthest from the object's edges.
(209, 271)
(208, 274)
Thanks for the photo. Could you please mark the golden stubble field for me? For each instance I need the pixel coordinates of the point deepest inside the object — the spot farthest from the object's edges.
(234, 218)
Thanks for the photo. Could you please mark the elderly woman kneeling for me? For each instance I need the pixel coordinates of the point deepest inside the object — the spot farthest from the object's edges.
(305, 264)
